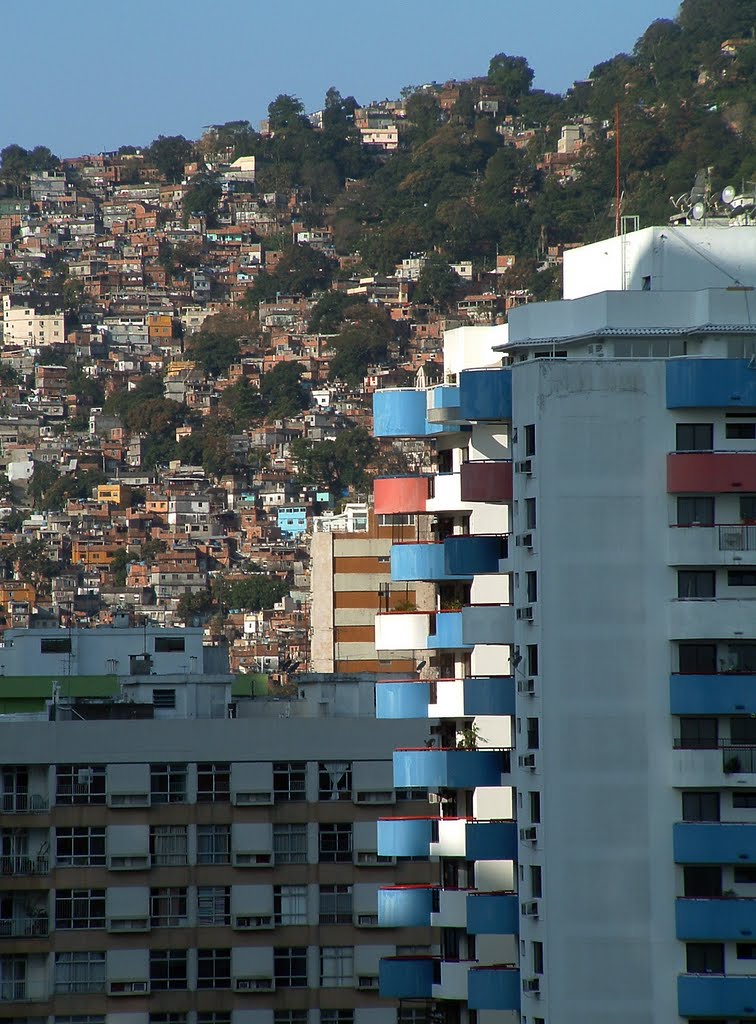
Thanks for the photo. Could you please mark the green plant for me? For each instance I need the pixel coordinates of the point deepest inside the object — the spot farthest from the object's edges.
(469, 737)
(731, 765)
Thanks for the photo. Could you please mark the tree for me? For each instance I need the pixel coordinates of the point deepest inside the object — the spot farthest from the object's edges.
(244, 404)
(42, 479)
(195, 608)
(282, 392)
(251, 593)
(338, 464)
(213, 350)
(202, 196)
(437, 283)
(510, 76)
(286, 113)
(363, 342)
(423, 112)
(119, 564)
(169, 153)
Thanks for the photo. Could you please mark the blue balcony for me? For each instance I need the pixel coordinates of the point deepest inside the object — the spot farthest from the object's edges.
(715, 995)
(402, 413)
(716, 920)
(712, 695)
(405, 837)
(710, 384)
(427, 561)
(486, 394)
(469, 555)
(489, 695)
(406, 906)
(488, 624)
(493, 988)
(491, 840)
(408, 977)
(402, 700)
(714, 843)
(431, 768)
(443, 404)
(447, 634)
(493, 913)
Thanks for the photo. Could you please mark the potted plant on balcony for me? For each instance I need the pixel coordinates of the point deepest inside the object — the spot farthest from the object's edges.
(732, 765)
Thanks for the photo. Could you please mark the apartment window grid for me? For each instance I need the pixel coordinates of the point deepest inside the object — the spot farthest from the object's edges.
(79, 847)
(411, 1015)
(80, 784)
(290, 904)
(168, 845)
(346, 1017)
(335, 843)
(80, 908)
(336, 904)
(213, 781)
(79, 972)
(695, 583)
(290, 966)
(80, 1018)
(214, 904)
(214, 1017)
(695, 510)
(290, 1017)
(213, 968)
(168, 783)
(289, 780)
(336, 966)
(167, 1018)
(213, 844)
(694, 437)
(334, 780)
(167, 969)
(168, 907)
(290, 844)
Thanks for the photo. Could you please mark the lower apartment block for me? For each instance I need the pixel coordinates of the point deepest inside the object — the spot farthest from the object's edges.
(160, 868)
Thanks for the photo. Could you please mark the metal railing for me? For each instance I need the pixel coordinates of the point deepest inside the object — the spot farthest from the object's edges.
(30, 926)
(16, 865)
(22, 991)
(737, 538)
(22, 803)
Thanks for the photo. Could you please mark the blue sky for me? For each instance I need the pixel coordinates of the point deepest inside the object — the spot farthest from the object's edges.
(90, 75)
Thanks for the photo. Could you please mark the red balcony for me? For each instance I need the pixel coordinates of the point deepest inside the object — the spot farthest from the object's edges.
(711, 472)
(486, 481)
(395, 494)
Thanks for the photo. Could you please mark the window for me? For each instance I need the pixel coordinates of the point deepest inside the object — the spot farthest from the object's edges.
(530, 439)
(535, 808)
(55, 645)
(337, 1017)
(168, 907)
(740, 658)
(336, 966)
(698, 659)
(537, 951)
(335, 904)
(533, 734)
(213, 781)
(290, 966)
(290, 904)
(699, 733)
(80, 784)
(741, 578)
(536, 881)
(213, 844)
(168, 783)
(700, 883)
(168, 845)
(169, 644)
(79, 1018)
(79, 847)
(213, 1017)
(411, 1014)
(335, 843)
(334, 780)
(531, 585)
(704, 957)
(290, 1017)
(80, 972)
(740, 431)
(167, 1018)
(747, 799)
(290, 844)
(531, 664)
(396, 519)
(289, 780)
(167, 969)
(700, 806)
(743, 730)
(745, 874)
(164, 698)
(748, 508)
(695, 511)
(694, 437)
(695, 583)
(213, 968)
(80, 908)
(214, 904)
(411, 794)
(530, 513)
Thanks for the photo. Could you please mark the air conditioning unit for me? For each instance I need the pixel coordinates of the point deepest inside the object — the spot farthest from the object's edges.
(247, 799)
(128, 924)
(526, 686)
(529, 909)
(529, 834)
(524, 540)
(367, 981)
(128, 988)
(367, 920)
(525, 614)
(527, 760)
(250, 922)
(531, 985)
(253, 985)
(251, 860)
(524, 466)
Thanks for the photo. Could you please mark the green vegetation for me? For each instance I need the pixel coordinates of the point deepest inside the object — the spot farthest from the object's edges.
(250, 594)
(336, 465)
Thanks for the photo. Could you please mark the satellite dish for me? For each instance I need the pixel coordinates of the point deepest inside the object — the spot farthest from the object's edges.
(698, 211)
(728, 194)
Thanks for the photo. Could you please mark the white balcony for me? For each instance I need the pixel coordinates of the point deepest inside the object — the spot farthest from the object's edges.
(453, 980)
(452, 838)
(447, 495)
(725, 618)
(401, 631)
(452, 909)
(711, 545)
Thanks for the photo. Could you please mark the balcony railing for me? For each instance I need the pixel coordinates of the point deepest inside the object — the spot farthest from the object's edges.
(737, 758)
(737, 538)
(29, 926)
(24, 865)
(22, 803)
(22, 991)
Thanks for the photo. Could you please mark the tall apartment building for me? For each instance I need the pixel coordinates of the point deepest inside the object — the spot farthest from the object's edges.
(591, 647)
(175, 851)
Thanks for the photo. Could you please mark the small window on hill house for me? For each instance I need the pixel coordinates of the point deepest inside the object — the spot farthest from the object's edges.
(168, 644)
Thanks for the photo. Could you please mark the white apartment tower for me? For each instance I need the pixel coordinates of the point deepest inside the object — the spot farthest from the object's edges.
(590, 648)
